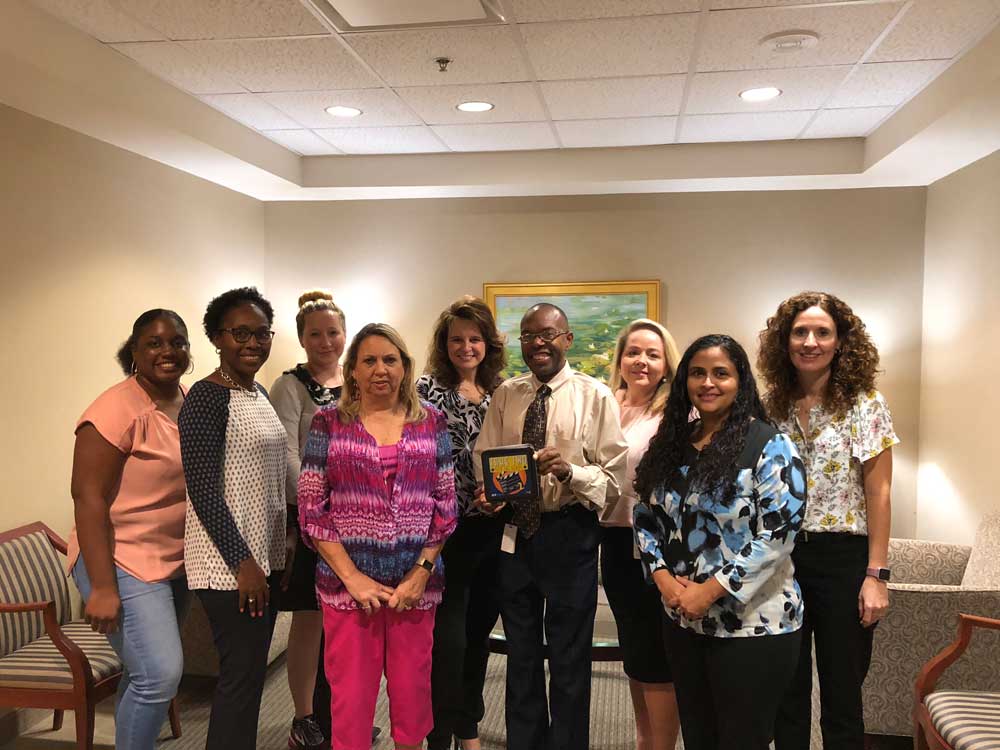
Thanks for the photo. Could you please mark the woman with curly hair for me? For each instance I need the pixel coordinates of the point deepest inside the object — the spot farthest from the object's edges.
(820, 366)
(721, 500)
(463, 368)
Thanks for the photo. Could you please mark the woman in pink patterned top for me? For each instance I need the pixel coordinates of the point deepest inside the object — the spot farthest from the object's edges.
(377, 501)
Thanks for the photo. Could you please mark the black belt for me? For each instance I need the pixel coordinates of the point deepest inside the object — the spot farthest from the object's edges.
(817, 536)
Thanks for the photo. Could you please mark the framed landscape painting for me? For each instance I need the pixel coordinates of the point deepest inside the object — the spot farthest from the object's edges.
(597, 313)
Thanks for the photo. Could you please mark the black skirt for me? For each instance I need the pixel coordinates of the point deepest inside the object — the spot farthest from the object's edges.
(301, 592)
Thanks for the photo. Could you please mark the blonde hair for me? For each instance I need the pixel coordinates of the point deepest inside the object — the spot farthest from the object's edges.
(670, 353)
(349, 405)
(315, 301)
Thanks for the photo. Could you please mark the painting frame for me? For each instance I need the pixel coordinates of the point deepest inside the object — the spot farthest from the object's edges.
(592, 346)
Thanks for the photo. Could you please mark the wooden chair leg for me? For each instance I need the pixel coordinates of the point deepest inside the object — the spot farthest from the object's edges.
(57, 720)
(175, 720)
(84, 726)
(919, 739)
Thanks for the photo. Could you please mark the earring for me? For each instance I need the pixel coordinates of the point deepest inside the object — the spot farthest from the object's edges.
(135, 369)
(190, 368)
(218, 351)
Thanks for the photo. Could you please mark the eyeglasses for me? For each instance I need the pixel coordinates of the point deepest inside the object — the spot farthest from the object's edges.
(546, 336)
(242, 335)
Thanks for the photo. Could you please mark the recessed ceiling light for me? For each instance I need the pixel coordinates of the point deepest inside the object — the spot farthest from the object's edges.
(475, 106)
(340, 111)
(760, 95)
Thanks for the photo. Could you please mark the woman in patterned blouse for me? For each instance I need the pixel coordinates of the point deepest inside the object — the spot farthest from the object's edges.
(463, 368)
(233, 450)
(377, 501)
(820, 367)
(721, 499)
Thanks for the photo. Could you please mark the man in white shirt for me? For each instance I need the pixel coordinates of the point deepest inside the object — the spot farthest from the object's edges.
(549, 579)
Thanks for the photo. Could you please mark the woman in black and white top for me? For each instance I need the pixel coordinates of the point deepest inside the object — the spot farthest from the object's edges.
(233, 451)
(463, 368)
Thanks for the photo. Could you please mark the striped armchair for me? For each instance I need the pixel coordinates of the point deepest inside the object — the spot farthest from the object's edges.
(47, 661)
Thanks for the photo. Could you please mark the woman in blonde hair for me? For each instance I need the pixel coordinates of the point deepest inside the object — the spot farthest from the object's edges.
(644, 364)
(296, 396)
(377, 501)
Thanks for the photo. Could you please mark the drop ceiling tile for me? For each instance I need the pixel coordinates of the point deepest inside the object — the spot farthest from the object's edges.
(304, 142)
(224, 19)
(102, 19)
(614, 97)
(379, 108)
(847, 123)
(478, 55)
(513, 102)
(408, 140)
(312, 64)
(732, 37)
(938, 29)
(762, 126)
(251, 110)
(729, 4)
(497, 137)
(638, 131)
(652, 45)
(180, 66)
(802, 88)
(526, 11)
(885, 84)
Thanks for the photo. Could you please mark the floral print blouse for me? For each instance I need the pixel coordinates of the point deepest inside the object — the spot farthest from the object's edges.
(833, 452)
(745, 543)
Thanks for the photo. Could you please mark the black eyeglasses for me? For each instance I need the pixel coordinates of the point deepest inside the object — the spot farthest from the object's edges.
(242, 334)
(546, 336)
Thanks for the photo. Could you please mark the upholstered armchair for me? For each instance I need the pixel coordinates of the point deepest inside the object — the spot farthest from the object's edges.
(932, 584)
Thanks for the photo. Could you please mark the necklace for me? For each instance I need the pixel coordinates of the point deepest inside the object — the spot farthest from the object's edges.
(238, 386)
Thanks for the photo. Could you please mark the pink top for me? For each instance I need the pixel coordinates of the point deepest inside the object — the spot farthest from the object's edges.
(389, 457)
(638, 427)
(147, 512)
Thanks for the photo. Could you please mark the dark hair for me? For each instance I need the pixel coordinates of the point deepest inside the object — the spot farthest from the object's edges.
(717, 464)
(124, 355)
(440, 365)
(218, 307)
(544, 306)
(854, 366)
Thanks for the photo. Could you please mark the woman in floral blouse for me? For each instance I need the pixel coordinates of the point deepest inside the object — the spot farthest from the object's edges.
(820, 367)
(721, 500)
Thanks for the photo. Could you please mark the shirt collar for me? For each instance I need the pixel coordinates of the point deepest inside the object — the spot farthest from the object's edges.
(556, 382)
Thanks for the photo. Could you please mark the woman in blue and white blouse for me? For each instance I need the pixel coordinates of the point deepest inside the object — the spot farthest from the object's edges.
(722, 498)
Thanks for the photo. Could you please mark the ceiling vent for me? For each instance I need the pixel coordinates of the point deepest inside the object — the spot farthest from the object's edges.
(387, 15)
(786, 42)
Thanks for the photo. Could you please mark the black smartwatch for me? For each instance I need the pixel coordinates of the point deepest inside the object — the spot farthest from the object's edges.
(879, 574)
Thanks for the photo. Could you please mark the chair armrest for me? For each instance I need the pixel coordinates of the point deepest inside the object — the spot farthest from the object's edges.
(920, 561)
(78, 663)
(933, 669)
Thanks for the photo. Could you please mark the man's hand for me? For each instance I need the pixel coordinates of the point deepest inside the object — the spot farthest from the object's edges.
(550, 461)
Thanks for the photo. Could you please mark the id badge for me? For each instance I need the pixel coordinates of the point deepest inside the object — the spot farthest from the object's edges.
(509, 538)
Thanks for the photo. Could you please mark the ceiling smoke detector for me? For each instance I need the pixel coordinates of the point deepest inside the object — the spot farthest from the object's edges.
(785, 42)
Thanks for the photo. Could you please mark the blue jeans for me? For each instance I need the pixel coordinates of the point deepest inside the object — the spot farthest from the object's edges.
(148, 641)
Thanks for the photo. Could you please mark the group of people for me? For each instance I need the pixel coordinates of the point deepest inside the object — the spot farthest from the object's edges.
(732, 529)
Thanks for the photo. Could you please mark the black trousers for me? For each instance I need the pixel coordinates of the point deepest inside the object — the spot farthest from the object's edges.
(242, 643)
(728, 689)
(549, 585)
(830, 569)
(468, 612)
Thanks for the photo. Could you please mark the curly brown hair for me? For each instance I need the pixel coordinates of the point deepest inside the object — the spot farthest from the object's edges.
(439, 364)
(854, 366)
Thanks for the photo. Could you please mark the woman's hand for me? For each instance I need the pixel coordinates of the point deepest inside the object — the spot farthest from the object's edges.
(368, 593)
(873, 601)
(252, 586)
(410, 589)
(291, 544)
(481, 503)
(670, 587)
(103, 610)
(696, 598)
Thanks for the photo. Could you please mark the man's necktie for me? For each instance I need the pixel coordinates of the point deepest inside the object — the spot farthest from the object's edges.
(528, 514)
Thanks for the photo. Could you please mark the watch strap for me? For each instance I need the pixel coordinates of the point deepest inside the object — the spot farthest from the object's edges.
(426, 564)
(879, 574)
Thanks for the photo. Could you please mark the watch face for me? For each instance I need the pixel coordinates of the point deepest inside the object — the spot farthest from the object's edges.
(884, 574)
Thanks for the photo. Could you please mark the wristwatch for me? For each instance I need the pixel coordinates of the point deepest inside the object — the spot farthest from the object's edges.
(426, 564)
(879, 574)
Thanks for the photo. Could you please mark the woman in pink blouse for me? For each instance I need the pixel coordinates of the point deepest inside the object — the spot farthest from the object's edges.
(643, 367)
(820, 367)
(126, 552)
(377, 501)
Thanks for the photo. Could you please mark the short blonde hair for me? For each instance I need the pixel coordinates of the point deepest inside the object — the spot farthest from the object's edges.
(310, 302)
(349, 405)
(670, 353)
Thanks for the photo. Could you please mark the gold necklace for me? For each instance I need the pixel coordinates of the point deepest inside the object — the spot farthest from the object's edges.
(238, 386)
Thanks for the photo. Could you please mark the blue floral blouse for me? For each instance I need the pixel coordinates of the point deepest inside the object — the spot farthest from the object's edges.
(745, 543)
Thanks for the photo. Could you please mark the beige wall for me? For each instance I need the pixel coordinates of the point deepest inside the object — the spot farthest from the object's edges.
(959, 401)
(92, 236)
(725, 259)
